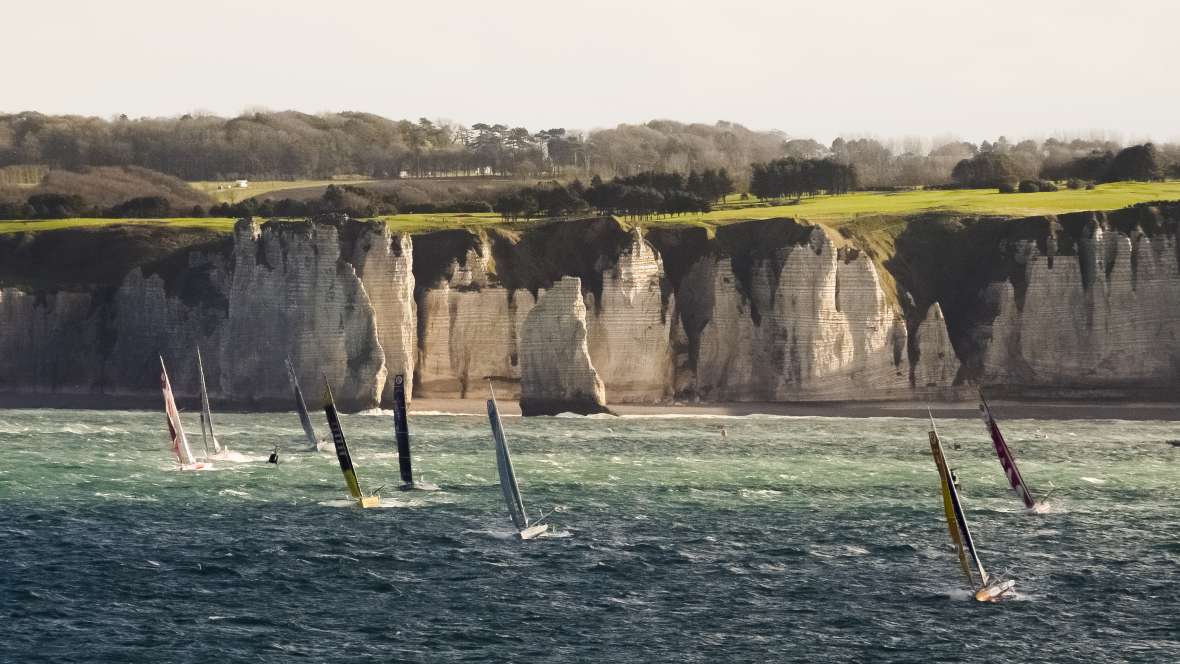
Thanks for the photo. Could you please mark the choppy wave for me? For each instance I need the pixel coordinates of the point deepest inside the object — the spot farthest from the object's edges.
(668, 543)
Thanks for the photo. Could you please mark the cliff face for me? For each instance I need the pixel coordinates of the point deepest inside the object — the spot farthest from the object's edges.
(556, 371)
(470, 330)
(799, 321)
(629, 326)
(1107, 316)
(568, 315)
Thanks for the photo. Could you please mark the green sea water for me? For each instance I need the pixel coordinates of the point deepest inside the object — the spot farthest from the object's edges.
(789, 539)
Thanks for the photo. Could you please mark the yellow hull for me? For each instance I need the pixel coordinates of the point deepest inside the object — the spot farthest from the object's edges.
(369, 501)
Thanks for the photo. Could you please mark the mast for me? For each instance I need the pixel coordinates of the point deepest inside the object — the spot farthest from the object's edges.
(180, 447)
(1007, 461)
(301, 408)
(342, 455)
(508, 483)
(956, 518)
(206, 412)
(401, 429)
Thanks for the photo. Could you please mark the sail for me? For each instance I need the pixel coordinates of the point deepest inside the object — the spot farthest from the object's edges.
(175, 431)
(956, 519)
(354, 486)
(504, 465)
(301, 408)
(206, 412)
(401, 429)
(1007, 461)
(952, 523)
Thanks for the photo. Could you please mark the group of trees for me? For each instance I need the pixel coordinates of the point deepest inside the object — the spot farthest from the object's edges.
(639, 195)
(996, 168)
(291, 145)
(796, 178)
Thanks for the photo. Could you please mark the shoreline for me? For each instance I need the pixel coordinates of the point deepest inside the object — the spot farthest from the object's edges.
(1005, 408)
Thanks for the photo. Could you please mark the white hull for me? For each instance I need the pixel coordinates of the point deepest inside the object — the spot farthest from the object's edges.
(994, 592)
(196, 466)
(534, 531)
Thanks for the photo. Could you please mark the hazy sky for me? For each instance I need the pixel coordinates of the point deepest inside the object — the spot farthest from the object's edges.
(817, 68)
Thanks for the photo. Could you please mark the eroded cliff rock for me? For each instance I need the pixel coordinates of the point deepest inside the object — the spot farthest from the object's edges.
(556, 373)
(470, 327)
(629, 326)
(1106, 314)
(567, 314)
(794, 317)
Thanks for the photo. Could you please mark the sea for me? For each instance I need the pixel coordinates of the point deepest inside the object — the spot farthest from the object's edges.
(674, 539)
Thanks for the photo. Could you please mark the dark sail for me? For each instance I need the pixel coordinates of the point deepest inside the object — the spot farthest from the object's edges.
(354, 487)
(1007, 461)
(401, 429)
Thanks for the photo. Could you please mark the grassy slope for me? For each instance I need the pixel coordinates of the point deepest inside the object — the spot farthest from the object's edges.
(259, 187)
(833, 211)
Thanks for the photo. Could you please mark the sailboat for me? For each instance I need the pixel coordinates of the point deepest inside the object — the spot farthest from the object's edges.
(217, 451)
(184, 454)
(401, 430)
(313, 441)
(508, 485)
(1007, 461)
(988, 588)
(354, 485)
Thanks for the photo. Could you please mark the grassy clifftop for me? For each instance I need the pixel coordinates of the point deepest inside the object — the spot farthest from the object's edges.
(833, 211)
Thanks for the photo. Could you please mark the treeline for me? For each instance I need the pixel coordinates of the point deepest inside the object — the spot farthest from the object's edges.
(640, 195)
(336, 199)
(291, 146)
(801, 177)
(1005, 168)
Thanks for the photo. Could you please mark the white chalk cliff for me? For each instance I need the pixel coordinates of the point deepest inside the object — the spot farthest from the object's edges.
(556, 372)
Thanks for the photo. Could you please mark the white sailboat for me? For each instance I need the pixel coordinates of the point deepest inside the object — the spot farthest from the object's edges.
(988, 588)
(508, 485)
(213, 448)
(180, 447)
(313, 441)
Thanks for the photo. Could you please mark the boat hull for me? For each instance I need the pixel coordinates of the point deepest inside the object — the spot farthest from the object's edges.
(534, 531)
(994, 592)
(369, 501)
(200, 465)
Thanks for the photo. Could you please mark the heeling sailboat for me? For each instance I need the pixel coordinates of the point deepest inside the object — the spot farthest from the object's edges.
(1007, 461)
(184, 454)
(508, 484)
(313, 441)
(354, 485)
(401, 431)
(988, 588)
(207, 434)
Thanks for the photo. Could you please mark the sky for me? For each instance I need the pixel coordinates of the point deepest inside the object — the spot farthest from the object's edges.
(975, 70)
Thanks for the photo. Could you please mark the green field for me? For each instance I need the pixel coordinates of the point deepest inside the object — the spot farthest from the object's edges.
(838, 210)
(224, 192)
(833, 211)
(224, 224)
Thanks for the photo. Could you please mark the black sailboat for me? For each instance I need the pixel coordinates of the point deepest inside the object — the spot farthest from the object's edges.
(401, 430)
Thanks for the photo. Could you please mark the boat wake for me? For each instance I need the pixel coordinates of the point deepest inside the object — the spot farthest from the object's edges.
(229, 456)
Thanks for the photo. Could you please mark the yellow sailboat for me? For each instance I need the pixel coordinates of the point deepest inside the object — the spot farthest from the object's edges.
(987, 588)
(354, 485)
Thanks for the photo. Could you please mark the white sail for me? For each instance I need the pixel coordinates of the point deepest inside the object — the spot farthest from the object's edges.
(508, 485)
(206, 412)
(301, 408)
(180, 447)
